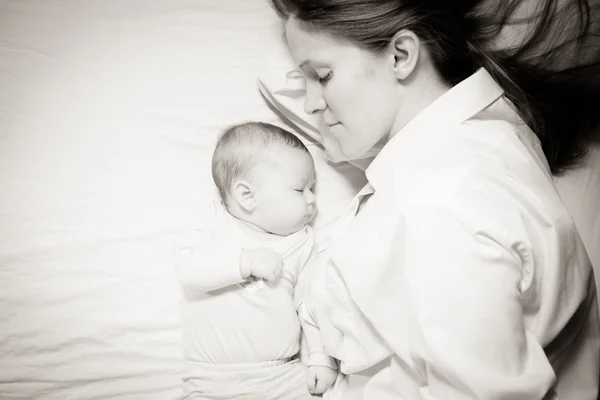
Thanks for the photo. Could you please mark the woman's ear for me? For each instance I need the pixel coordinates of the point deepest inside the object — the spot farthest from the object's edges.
(404, 49)
(244, 195)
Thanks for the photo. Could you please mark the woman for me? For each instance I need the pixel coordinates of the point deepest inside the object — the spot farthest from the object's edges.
(463, 270)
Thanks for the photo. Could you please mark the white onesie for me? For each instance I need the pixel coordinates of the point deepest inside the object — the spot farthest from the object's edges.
(240, 337)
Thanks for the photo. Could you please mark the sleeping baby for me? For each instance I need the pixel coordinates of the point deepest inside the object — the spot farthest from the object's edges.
(246, 272)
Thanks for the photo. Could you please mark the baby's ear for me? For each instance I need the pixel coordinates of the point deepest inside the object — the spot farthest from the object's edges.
(244, 194)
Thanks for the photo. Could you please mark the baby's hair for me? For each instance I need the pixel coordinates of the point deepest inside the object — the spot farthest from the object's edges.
(240, 146)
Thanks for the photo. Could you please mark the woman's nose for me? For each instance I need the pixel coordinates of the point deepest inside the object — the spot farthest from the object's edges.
(313, 101)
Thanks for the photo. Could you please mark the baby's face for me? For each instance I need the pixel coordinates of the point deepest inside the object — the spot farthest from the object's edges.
(284, 181)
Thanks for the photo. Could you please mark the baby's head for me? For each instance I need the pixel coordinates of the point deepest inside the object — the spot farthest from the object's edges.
(265, 176)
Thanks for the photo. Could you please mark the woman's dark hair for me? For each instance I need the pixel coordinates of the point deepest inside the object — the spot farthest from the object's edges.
(551, 71)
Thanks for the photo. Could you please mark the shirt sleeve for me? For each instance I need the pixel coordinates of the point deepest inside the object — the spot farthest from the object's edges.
(310, 330)
(465, 309)
(204, 263)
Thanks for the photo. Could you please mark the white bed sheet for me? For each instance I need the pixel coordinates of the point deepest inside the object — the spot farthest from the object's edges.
(108, 113)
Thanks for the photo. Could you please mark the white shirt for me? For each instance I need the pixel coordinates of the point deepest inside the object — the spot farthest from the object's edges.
(465, 263)
(227, 321)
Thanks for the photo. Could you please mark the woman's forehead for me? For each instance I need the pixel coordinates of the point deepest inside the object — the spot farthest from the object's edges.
(303, 38)
(316, 48)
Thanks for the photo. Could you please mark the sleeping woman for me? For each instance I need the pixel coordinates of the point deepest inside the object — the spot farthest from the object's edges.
(458, 257)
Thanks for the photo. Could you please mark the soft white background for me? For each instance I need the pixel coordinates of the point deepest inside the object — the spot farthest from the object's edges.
(108, 113)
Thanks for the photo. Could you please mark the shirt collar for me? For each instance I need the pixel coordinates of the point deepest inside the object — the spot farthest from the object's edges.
(454, 107)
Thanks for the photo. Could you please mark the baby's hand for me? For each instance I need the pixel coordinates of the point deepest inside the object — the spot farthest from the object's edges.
(320, 378)
(262, 263)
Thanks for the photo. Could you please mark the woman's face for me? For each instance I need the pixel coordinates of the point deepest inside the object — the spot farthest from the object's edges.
(353, 91)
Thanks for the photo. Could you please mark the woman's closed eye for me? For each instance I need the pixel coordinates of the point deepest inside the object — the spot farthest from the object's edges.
(326, 78)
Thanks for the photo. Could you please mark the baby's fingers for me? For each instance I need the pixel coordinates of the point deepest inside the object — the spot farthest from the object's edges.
(270, 276)
(312, 382)
(278, 268)
(320, 387)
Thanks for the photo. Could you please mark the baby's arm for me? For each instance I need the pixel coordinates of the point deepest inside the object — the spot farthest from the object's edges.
(205, 263)
(322, 369)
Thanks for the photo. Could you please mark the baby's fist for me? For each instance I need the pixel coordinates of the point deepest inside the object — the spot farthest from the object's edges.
(262, 263)
(320, 378)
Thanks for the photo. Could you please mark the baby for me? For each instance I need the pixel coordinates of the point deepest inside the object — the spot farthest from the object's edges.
(246, 272)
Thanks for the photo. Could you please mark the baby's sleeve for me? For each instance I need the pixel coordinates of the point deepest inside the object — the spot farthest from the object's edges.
(310, 329)
(203, 262)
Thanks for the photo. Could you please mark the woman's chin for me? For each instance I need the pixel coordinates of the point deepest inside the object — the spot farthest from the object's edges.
(334, 156)
(333, 153)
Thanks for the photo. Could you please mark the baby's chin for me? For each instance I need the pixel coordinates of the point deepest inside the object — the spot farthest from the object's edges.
(295, 229)
(286, 231)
